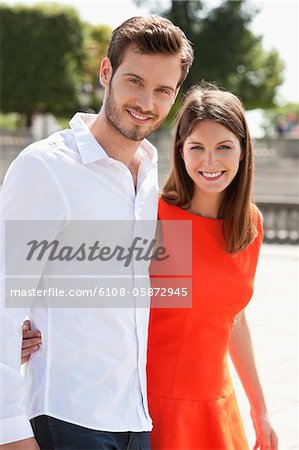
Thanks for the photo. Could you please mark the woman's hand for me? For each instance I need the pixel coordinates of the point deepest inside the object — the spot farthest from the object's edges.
(266, 438)
(31, 341)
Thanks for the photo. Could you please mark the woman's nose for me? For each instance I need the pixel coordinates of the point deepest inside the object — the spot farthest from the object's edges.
(210, 158)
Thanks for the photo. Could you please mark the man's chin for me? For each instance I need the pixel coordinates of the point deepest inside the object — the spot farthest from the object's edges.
(135, 133)
(136, 136)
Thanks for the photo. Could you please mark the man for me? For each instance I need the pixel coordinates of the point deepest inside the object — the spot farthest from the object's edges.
(87, 385)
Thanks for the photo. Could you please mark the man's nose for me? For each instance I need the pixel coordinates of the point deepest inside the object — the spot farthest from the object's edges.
(145, 101)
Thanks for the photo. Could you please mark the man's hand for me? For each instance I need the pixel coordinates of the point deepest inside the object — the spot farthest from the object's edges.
(31, 341)
(30, 344)
(24, 444)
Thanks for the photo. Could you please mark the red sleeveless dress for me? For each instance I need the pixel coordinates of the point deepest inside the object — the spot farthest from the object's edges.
(191, 397)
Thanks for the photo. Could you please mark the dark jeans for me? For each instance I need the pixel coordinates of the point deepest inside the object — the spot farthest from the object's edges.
(55, 434)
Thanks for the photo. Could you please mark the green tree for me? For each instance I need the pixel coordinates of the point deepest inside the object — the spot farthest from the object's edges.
(42, 52)
(97, 38)
(96, 42)
(226, 51)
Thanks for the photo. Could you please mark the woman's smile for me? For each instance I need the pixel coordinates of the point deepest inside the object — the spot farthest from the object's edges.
(212, 176)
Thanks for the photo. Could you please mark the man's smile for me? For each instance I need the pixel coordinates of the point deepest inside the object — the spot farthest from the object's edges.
(138, 117)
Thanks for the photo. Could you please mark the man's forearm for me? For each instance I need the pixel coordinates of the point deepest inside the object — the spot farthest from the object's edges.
(24, 444)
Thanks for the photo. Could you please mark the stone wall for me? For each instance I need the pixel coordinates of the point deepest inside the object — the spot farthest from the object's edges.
(276, 184)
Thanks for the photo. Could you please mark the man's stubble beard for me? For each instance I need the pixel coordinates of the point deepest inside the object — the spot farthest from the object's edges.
(113, 115)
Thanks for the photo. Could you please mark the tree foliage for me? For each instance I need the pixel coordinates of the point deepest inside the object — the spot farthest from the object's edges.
(226, 51)
(42, 51)
(97, 38)
(96, 42)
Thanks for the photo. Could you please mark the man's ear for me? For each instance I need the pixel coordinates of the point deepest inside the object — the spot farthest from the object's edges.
(106, 71)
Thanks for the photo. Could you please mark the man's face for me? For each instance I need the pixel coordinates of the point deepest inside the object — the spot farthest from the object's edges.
(140, 93)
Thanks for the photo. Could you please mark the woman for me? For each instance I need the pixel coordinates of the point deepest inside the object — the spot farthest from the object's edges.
(191, 397)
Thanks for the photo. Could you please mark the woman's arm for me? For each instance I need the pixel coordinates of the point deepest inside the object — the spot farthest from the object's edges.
(242, 355)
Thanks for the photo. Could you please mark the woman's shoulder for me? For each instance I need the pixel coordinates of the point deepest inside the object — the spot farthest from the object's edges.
(257, 223)
(257, 216)
(167, 210)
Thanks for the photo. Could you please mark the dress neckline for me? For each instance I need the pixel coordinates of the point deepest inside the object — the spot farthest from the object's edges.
(194, 215)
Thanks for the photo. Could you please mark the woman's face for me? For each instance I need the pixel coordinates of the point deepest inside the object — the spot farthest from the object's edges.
(211, 154)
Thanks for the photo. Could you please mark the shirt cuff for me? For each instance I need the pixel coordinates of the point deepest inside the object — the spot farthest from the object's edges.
(14, 429)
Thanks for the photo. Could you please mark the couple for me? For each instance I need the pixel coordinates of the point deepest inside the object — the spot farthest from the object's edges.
(86, 385)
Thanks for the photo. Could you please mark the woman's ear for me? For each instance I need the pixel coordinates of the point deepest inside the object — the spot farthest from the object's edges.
(106, 71)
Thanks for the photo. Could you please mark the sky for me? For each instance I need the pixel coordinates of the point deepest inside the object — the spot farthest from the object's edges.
(277, 23)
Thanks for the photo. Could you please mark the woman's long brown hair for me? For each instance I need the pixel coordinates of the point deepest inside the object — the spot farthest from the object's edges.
(236, 209)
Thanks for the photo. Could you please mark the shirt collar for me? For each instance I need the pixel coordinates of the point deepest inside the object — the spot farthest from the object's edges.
(148, 151)
(89, 148)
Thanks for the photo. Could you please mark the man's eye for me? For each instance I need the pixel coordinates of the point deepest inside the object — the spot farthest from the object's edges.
(135, 81)
(164, 91)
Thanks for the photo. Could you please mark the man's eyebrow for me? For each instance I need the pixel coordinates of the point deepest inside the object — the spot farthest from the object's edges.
(131, 74)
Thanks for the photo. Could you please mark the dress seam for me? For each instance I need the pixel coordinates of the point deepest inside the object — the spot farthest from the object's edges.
(179, 354)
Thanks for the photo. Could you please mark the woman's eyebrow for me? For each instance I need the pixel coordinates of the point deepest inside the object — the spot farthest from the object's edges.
(221, 142)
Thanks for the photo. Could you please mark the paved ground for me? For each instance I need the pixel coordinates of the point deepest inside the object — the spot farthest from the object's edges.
(273, 318)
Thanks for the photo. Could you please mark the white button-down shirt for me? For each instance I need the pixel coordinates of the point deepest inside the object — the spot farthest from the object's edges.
(91, 367)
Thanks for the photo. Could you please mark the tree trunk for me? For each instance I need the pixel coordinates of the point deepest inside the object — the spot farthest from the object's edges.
(29, 117)
(179, 14)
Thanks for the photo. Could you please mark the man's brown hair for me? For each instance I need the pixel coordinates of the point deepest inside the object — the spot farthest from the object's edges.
(150, 35)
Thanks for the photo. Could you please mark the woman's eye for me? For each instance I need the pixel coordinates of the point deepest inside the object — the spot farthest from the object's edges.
(196, 147)
(224, 147)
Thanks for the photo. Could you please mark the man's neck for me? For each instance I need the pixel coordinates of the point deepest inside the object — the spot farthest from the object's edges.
(115, 145)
